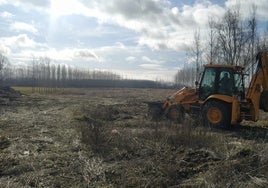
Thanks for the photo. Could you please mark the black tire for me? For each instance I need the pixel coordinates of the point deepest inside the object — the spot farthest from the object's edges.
(155, 112)
(176, 113)
(264, 101)
(216, 114)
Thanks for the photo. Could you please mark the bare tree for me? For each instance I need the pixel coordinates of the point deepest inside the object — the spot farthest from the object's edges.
(63, 75)
(195, 53)
(3, 62)
(53, 77)
(47, 78)
(263, 41)
(34, 74)
(184, 76)
(58, 75)
(253, 35)
(70, 73)
(212, 41)
(231, 36)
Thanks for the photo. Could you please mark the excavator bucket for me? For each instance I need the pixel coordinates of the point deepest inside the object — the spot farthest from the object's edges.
(155, 110)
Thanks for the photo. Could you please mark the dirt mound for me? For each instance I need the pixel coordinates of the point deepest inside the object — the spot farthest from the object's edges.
(8, 94)
(7, 91)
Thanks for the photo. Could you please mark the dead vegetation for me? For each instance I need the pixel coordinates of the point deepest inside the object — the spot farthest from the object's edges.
(104, 138)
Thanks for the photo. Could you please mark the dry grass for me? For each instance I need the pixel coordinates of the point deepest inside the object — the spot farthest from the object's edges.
(104, 138)
(168, 154)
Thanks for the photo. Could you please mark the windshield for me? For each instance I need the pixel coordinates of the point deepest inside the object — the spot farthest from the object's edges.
(224, 81)
(207, 85)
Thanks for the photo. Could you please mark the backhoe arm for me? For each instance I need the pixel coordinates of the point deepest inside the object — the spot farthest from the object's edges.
(258, 88)
(264, 70)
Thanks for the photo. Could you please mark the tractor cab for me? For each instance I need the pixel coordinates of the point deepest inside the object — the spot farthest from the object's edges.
(221, 79)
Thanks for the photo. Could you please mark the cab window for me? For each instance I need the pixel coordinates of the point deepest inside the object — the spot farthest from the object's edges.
(226, 82)
(207, 83)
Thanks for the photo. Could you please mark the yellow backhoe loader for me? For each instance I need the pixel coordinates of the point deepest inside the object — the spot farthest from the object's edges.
(220, 97)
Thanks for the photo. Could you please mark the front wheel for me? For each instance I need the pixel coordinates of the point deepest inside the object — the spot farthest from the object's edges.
(217, 114)
(176, 113)
(155, 111)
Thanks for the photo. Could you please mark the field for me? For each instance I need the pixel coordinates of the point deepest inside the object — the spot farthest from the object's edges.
(104, 138)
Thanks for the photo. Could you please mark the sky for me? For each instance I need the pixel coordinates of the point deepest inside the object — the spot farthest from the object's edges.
(137, 39)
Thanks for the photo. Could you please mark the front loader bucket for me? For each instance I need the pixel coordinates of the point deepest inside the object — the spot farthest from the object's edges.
(155, 110)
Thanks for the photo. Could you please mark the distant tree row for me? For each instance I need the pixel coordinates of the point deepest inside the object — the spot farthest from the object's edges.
(45, 76)
(44, 73)
(184, 76)
(230, 40)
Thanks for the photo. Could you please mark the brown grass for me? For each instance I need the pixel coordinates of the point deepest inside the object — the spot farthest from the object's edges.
(104, 138)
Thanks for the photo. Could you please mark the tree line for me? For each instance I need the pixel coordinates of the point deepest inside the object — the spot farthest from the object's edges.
(44, 75)
(230, 40)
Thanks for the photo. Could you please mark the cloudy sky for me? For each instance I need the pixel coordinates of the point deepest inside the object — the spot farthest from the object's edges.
(143, 39)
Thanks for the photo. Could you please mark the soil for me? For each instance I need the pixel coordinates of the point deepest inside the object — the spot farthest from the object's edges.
(105, 138)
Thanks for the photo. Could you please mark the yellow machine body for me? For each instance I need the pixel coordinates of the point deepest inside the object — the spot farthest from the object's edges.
(219, 107)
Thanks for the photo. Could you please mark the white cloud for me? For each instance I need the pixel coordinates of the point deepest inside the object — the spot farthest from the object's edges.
(67, 54)
(202, 12)
(18, 46)
(159, 26)
(130, 59)
(40, 4)
(21, 26)
(63, 7)
(4, 49)
(28, 4)
(246, 7)
(85, 53)
(152, 61)
(6, 15)
(151, 66)
(21, 40)
(58, 55)
(3, 2)
(175, 11)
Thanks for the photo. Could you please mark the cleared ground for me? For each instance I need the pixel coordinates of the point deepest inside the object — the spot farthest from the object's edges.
(104, 138)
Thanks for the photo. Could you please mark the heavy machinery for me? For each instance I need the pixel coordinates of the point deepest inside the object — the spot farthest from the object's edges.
(220, 97)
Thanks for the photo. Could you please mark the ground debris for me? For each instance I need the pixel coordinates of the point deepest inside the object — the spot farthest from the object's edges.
(4, 142)
(8, 92)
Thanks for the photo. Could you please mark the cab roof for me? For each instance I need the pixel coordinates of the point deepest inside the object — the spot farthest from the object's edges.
(235, 67)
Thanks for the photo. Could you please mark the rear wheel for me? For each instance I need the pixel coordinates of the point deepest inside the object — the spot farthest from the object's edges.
(176, 113)
(217, 114)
